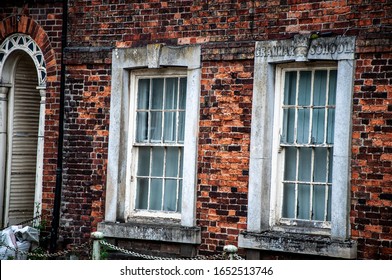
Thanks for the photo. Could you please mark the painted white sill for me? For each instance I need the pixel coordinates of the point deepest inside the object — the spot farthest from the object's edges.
(166, 230)
(298, 243)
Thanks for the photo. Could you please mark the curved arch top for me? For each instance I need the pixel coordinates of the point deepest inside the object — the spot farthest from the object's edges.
(19, 41)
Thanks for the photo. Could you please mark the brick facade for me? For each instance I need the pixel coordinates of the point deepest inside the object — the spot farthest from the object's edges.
(227, 32)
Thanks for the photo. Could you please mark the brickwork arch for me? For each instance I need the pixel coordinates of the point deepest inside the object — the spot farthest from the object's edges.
(28, 26)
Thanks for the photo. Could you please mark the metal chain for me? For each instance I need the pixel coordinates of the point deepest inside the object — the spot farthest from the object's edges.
(150, 257)
(47, 255)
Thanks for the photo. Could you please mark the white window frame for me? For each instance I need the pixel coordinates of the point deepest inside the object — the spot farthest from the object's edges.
(276, 221)
(261, 231)
(124, 61)
(130, 193)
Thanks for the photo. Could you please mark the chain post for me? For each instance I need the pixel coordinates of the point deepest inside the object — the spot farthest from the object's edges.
(96, 237)
(231, 250)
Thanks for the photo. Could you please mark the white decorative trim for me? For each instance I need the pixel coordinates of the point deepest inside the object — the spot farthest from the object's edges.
(25, 43)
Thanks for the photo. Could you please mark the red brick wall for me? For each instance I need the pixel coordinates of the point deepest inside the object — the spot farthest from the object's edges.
(226, 31)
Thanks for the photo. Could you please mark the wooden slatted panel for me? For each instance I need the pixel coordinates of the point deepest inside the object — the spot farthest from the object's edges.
(24, 142)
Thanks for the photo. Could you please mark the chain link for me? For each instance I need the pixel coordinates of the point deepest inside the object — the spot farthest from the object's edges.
(47, 255)
(150, 257)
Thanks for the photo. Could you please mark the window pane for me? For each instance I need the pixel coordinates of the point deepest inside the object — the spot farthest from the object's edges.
(143, 166)
(320, 165)
(290, 166)
(330, 126)
(141, 127)
(290, 88)
(320, 87)
(303, 126)
(303, 201)
(169, 132)
(304, 164)
(304, 88)
(158, 154)
(171, 93)
(157, 93)
(172, 161)
(142, 193)
(170, 200)
(181, 126)
(156, 194)
(156, 127)
(288, 210)
(329, 203)
(182, 102)
(179, 196)
(318, 126)
(330, 165)
(288, 126)
(181, 150)
(318, 203)
(332, 87)
(143, 94)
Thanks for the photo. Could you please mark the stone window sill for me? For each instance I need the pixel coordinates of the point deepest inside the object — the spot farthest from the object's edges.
(298, 243)
(152, 230)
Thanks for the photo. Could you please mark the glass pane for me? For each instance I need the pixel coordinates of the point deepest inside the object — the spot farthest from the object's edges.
(170, 199)
(157, 93)
(330, 165)
(304, 88)
(171, 93)
(320, 87)
(182, 102)
(304, 164)
(143, 94)
(320, 165)
(181, 126)
(303, 202)
(303, 126)
(318, 203)
(141, 127)
(332, 87)
(329, 203)
(181, 150)
(172, 161)
(290, 88)
(156, 194)
(331, 126)
(288, 126)
(158, 155)
(288, 207)
(169, 132)
(142, 193)
(156, 127)
(318, 126)
(290, 165)
(179, 197)
(143, 166)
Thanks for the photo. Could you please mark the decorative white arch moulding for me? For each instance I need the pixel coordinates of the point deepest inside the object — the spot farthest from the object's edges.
(24, 42)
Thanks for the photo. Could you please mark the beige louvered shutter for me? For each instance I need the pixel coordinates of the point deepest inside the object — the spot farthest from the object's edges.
(25, 115)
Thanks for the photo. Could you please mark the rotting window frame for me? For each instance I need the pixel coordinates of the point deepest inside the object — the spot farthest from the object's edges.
(261, 233)
(124, 60)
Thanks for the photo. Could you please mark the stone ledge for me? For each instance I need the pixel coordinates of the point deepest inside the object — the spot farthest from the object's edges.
(167, 232)
(298, 243)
